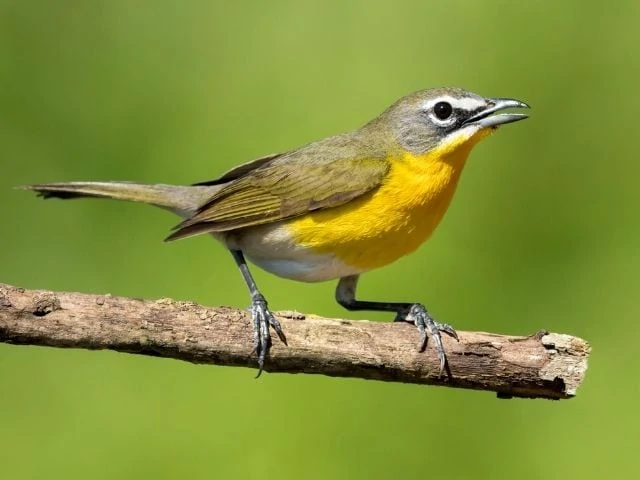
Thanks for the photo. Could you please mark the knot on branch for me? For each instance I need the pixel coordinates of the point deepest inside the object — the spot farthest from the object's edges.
(44, 303)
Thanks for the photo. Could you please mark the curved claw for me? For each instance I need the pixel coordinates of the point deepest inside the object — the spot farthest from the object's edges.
(273, 321)
(448, 329)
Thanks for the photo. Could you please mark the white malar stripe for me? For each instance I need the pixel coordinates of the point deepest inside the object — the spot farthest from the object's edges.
(461, 135)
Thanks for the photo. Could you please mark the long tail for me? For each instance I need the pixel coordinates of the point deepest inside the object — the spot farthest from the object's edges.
(183, 200)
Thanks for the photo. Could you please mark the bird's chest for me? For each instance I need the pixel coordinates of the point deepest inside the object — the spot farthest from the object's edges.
(390, 222)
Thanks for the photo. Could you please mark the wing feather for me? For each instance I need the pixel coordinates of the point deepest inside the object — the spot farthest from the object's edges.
(283, 190)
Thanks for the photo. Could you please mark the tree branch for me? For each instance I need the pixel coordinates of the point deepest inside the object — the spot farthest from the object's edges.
(545, 365)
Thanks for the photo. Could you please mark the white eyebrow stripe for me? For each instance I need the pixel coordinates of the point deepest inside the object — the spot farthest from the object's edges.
(467, 103)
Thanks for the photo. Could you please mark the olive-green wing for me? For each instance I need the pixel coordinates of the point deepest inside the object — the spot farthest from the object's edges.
(284, 190)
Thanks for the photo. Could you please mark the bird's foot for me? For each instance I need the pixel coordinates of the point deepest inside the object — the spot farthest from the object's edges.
(420, 317)
(262, 320)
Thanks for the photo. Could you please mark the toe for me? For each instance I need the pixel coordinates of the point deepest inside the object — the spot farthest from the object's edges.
(273, 321)
(449, 330)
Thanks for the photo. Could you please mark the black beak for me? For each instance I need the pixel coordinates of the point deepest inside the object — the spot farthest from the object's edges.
(485, 119)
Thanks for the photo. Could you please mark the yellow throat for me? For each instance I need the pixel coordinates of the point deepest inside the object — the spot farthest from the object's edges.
(392, 221)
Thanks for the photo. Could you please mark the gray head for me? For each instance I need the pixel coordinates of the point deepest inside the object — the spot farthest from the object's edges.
(435, 117)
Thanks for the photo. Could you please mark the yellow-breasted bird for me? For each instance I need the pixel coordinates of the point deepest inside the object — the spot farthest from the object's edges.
(335, 208)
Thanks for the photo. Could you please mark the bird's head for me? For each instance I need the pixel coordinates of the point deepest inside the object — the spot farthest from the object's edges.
(445, 119)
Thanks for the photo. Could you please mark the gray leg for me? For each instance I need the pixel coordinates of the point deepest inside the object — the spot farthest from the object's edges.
(415, 313)
(262, 317)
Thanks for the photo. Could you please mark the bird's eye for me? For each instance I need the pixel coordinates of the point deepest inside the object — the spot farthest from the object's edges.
(442, 110)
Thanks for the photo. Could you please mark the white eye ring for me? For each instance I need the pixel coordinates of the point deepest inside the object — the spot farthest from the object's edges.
(441, 112)
(450, 120)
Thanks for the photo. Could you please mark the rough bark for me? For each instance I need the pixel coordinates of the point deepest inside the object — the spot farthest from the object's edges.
(544, 365)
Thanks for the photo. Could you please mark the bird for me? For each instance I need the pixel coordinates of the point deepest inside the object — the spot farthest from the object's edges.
(334, 208)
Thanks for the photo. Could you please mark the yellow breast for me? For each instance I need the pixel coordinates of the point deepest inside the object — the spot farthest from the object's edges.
(380, 227)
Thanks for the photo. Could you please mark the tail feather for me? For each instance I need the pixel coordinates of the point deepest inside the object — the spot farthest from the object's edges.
(183, 200)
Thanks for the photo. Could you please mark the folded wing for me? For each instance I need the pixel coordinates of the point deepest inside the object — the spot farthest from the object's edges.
(281, 190)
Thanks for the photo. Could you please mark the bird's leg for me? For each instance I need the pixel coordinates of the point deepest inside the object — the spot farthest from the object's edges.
(415, 313)
(260, 314)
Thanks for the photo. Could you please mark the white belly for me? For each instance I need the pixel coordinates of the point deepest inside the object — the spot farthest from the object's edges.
(271, 248)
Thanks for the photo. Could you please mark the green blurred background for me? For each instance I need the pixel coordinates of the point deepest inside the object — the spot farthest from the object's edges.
(543, 232)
